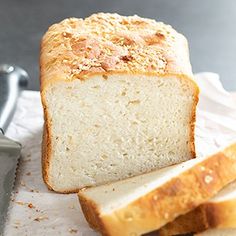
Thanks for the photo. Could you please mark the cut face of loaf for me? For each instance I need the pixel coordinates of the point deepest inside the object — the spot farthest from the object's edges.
(118, 98)
(102, 130)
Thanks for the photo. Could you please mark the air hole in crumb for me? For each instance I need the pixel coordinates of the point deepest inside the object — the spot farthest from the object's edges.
(122, 81)
(103, 157)
(96, 86)
(125, 154)
(123, 93)
(159, 84)
(134, 102)
(166, 140)
(98, 165)
(171, 153)
(67, 149)
(118, 141)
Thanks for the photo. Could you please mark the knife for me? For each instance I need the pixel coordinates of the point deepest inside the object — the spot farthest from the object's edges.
(12, 80)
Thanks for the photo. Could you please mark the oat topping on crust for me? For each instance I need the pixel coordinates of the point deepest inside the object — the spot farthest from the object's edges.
(109, 42)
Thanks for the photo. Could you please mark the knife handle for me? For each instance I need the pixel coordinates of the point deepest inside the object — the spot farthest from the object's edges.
(12, 80)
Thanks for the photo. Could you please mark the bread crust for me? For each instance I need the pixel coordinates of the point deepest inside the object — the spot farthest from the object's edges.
(209, 215)
(68, 48)
(164, 204)
(60, 61)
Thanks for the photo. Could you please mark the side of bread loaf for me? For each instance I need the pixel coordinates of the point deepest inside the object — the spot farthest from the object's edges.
(218, 212)
(118, 99)
(145, 203)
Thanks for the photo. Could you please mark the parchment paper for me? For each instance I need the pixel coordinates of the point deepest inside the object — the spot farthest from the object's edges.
(36, 211)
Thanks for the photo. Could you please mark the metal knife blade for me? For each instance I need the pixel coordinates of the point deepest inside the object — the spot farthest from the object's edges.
(12, 80)
(9, 155)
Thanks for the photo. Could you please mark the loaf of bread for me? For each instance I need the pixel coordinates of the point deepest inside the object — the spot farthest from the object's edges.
(118, 99)
(145, 203)
(217, 212)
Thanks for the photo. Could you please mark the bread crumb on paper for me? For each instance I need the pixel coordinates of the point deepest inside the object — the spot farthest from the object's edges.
(73, 231)
(30, 205)
(40, 218)
(22, 183)
(20, 203)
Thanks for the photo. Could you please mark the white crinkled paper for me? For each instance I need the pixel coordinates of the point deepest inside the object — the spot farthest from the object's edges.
(36, 211)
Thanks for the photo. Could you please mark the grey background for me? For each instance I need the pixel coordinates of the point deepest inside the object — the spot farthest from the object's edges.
(209, 25)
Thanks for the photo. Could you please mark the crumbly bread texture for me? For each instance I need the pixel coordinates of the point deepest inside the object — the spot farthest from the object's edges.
(118, 99)
(218, 212)
(147, 202)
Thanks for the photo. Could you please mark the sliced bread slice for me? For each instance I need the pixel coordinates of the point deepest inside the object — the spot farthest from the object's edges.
(217, 212)
(119, 100)
(147, 202)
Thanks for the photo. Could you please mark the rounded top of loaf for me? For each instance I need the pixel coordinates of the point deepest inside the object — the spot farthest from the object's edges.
(109, 43)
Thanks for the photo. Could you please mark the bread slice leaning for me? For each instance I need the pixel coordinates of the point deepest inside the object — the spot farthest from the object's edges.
(217, 212)
(119, 100)
(147, 202)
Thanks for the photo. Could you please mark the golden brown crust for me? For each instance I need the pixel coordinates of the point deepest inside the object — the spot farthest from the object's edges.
(195, 222)
(220, 214)
(105, 44)
(92, 212)
(208, 215)
(192, 123)
(178, 196)
(46, 147)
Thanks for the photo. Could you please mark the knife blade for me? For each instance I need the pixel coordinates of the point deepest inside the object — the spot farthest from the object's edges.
(12, 80)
